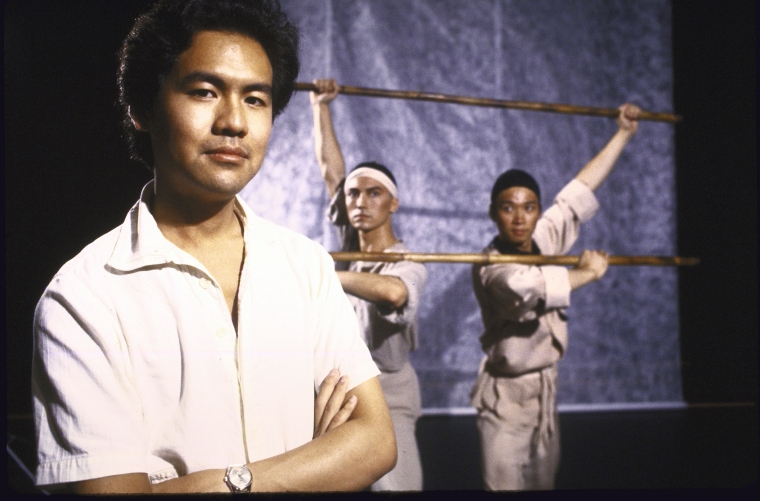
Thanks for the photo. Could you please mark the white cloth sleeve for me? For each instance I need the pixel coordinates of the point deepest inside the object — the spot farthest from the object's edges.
(88, 414)
(339, 343)
(557, 286)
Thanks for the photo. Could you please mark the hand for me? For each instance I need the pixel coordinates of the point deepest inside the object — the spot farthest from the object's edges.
(594, 261)
(628, 120)
(327, 90)
(330, 410)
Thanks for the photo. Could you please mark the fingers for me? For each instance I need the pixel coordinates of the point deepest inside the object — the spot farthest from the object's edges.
(327, 90)
(596, 261)
(630, 111)
(329, 408)
(628, 119)
(323, 397)
(343, 414)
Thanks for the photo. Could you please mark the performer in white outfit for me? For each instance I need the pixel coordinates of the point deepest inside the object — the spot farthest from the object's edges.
(522, 307)
(385, 296)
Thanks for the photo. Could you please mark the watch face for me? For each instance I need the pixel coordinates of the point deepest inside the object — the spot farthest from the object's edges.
(240, 477)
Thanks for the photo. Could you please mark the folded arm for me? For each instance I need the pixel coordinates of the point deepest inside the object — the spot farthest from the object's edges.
(365, 446)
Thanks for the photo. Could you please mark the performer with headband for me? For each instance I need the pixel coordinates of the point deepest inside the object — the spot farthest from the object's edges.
(385, 296)
(523, 314)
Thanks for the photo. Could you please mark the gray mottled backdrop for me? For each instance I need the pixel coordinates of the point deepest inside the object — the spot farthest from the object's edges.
(623, 329)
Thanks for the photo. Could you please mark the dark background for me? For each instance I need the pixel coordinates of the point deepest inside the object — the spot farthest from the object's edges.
(68, 180)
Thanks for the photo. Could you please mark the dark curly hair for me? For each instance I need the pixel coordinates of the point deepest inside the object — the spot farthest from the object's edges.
(164, 32)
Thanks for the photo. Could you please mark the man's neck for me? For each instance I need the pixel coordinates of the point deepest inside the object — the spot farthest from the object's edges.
(193, 223)
(377, 240)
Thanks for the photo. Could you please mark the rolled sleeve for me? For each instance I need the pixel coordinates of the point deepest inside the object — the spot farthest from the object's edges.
(557, 285)
(580, 198)
(414, 277)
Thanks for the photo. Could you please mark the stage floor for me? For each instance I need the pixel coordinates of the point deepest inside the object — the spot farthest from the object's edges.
(712, 446)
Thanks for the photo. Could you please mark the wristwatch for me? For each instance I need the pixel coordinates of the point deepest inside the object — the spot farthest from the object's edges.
(238, 478)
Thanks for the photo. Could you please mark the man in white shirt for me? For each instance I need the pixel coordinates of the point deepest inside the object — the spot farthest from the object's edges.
(181, 352)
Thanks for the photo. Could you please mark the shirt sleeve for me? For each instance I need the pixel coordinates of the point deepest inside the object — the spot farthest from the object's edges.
(517, 289)
(414, 277)
(87, 412)
(559, 226)
(339, 343)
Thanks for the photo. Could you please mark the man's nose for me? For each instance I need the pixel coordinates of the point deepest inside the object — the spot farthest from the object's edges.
(361, 200)
(230, 118)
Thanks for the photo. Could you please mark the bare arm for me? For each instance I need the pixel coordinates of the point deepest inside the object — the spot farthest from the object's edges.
(374, 288)
(597, 170)
(365, 446)
(591, 267)
(326, 146)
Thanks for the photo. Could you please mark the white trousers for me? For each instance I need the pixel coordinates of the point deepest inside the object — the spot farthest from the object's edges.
(402, 393)
(518, 428)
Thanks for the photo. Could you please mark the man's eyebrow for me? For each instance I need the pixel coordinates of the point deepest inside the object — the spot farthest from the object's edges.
(217, 81)
(509, 202)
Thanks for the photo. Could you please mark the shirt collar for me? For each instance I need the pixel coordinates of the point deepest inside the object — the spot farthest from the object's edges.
(141, 243)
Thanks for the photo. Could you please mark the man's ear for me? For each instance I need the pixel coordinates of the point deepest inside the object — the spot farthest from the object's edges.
(394, 205)
(139, 120)
(491, 213)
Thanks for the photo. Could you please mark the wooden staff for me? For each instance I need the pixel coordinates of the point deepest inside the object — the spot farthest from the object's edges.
(569, 109)
(393, 257)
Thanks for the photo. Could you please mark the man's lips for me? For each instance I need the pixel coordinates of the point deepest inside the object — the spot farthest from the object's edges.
(233, 154)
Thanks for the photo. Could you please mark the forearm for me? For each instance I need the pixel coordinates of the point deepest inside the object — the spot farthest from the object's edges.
(326, 147)
(348, 457)
(374, 288)
(597, 170)
(578, 278)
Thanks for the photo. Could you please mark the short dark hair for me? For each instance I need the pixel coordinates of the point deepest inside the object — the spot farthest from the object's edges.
(164, 32)
(377, 166)
(511, 178)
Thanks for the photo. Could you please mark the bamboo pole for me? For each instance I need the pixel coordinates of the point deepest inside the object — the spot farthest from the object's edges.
(481, 258)
(493, 103)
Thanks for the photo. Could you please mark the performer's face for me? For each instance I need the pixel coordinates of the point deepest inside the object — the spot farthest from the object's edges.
(516, 212)
(368, 203)
(212, 118)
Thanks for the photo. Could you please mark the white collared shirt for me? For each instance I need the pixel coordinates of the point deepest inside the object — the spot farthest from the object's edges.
(138, 367)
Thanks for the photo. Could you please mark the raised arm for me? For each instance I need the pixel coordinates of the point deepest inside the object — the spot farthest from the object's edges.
(597, 170)
(326, 146)
(346, 458)
(374, 287)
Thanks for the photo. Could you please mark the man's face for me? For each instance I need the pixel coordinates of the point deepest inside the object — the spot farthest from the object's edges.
(368, 203)
(516, 212)
(212, 118)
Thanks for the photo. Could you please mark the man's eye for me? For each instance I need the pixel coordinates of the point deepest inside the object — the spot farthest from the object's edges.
(202, 93)
(256, 101)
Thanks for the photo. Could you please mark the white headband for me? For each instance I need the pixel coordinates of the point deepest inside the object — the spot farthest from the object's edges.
(374, 174)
